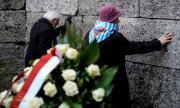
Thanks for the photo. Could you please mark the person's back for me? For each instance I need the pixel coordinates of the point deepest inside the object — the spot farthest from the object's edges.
(37, 47)
(112, 53)
(42, 36)
(113, 48)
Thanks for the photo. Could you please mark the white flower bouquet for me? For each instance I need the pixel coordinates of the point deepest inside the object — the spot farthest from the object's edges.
(72, 80)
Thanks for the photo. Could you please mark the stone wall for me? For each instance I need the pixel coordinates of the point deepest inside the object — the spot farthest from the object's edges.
(154, 77)
(12, 39)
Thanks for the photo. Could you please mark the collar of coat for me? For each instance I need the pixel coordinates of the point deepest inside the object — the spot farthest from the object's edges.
(47, 22)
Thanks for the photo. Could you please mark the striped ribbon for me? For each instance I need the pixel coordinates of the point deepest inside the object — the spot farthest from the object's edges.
(35, 80)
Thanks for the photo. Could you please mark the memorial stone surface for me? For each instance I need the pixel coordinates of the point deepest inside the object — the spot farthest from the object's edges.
(154, 78)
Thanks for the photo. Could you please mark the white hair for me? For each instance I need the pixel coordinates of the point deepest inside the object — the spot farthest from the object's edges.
(50, 15)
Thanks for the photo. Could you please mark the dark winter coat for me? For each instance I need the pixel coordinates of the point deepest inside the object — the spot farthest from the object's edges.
(112, 53)
(42, 37)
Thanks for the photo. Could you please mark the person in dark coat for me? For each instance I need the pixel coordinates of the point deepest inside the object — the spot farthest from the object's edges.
(113, 48)
(43, 35)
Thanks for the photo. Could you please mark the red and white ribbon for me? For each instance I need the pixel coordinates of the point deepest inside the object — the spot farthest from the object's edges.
(35, 80)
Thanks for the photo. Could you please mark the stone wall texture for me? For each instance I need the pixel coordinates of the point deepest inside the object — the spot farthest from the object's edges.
(154, 78)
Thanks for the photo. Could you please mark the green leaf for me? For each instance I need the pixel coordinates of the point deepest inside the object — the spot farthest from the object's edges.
(102, 105)
(90, 54)
(71, 37)
(109, 90)
(106, 77)
(70, 31)
(84, 93)
(63, 40)
(31, 62)
(77, 105)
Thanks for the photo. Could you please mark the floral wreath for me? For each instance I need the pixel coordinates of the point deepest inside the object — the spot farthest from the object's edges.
(66, 77)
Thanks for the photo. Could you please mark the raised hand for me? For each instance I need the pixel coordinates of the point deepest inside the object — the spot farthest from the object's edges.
(166, 38)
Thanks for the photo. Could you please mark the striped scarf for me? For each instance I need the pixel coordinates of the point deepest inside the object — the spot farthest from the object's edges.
(102, 30)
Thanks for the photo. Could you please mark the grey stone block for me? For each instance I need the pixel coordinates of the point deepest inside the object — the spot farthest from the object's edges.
(169, 9)
(12, 26)
(77, 20)
(12, 4)
(69, 7)
(88, 23)
(128, 8)
(146, 29)
(11, 62)
(152, 86)
(62, 6)
(41, 6)
(90, 7)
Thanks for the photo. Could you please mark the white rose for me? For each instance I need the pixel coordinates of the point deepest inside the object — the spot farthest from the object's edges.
(19, 81)
(71, 53)
(69, 74)
(35, 102)
(27, 71)
(70, 88)
(14, 87)
(2, 95)
(98, 94)
(64, 105)
(61, 49)
(19, 87)
(50, 89)
(7, 102)
(27, 68)
(93, 70)
(35, 62)
(49, 50)
(14, 78)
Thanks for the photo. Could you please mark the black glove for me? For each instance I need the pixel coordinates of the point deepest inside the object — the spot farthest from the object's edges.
(68, 19)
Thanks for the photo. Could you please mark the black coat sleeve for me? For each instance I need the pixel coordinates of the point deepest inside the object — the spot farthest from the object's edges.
(60, 29)
(44, 42)
(139, 47)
